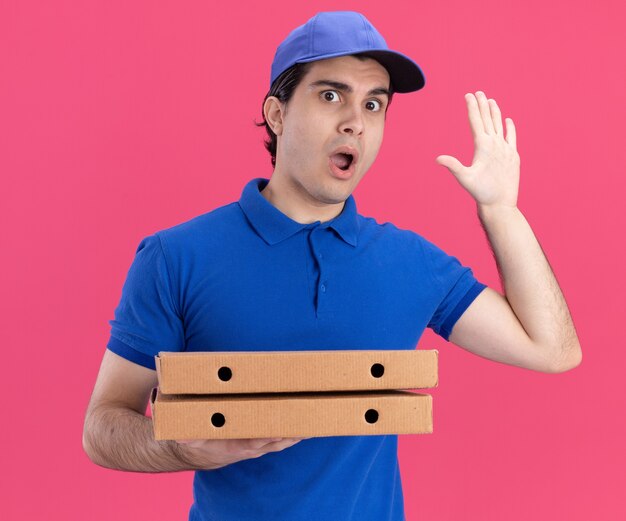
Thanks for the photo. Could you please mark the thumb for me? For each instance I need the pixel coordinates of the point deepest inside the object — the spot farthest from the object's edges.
(451, 163)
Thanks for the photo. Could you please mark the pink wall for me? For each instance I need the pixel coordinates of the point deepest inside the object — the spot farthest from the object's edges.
(118, 119)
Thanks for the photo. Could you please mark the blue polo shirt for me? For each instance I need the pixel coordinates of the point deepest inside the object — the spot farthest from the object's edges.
(247, 277)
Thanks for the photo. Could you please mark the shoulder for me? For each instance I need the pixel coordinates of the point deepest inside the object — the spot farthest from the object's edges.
(389, 234)
(203, 229)
(406, 245)
(223, 216)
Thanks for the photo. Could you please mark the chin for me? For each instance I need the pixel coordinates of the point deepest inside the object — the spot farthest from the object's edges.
(334, 196)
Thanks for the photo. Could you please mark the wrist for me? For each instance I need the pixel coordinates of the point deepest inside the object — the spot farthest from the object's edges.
(184, 454)
(487, 212)
(193, 457)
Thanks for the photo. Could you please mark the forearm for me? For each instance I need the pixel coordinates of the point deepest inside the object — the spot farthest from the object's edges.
(123, 439)
(529, 283)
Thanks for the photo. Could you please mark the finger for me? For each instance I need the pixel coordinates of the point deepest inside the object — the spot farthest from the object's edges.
(288, 441)
(257, 443)
(281, 445)
(473, 112)
(496, 116)
(511, 136)
(485, 113)
(451, 163)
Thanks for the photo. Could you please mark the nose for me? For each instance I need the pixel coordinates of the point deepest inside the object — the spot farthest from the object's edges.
(352, 122)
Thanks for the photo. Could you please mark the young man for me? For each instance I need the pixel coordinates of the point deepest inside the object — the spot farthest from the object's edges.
(292, 265)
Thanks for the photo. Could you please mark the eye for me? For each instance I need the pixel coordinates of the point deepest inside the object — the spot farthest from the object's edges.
(374, 105)
(330, 95)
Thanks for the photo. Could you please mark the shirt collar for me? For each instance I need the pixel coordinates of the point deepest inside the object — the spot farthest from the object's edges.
(274, 226)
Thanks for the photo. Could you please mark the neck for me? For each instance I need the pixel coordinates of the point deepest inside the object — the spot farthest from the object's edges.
(294, 203)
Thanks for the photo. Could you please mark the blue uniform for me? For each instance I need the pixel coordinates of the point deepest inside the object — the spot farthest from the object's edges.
(247, 277)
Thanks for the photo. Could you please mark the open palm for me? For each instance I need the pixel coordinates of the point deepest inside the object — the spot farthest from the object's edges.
(493, 177)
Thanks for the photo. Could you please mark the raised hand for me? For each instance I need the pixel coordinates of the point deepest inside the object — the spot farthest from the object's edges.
(493, 177)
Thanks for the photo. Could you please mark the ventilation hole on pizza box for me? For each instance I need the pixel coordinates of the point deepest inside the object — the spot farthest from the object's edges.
(224, 374)
(218, 420)
(371, 416)
(377, 370)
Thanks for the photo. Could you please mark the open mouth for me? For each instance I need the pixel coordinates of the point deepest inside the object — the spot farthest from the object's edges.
(342, 160)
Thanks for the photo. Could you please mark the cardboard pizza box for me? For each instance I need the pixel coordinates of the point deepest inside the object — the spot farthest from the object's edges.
(229, 372)
(290, 415)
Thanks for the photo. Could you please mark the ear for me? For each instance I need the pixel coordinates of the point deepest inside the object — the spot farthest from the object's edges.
(273, 112)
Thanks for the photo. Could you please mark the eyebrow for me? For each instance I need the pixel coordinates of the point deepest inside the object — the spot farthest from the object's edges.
(347, 88)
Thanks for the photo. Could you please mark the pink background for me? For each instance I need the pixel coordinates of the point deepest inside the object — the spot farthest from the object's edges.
(118, 119)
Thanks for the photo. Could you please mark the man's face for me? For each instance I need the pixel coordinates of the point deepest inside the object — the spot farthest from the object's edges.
(338, 108)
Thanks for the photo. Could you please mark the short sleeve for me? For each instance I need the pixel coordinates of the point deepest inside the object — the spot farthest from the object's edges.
(457, 289)
(146, 319)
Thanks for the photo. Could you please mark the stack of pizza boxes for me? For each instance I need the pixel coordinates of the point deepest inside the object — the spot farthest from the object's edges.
(221, 395)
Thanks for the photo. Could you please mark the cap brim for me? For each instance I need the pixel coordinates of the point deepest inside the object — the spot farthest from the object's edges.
(405, 74)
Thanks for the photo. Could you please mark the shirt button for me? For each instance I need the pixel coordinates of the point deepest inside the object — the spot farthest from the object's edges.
(323, 288)
(319, 255)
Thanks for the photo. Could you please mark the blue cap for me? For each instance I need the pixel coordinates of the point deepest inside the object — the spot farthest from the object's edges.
(341, 33)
